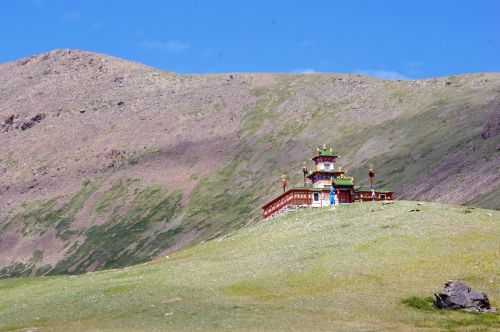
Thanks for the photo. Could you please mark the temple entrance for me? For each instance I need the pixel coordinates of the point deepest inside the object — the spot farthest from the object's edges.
(344, 196)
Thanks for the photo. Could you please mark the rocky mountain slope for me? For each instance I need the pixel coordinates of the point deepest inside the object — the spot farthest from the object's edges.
(106, 163)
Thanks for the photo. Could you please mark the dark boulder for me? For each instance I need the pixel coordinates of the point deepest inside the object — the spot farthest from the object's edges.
(8, 123)
(457, 295)
(32, 122)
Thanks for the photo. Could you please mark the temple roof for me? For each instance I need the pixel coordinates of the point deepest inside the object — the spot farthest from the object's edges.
(326, 172)
(325, 151)
(344, 181)
(377, 190)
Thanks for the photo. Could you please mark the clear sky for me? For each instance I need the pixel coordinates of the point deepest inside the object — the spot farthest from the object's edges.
(386, 38)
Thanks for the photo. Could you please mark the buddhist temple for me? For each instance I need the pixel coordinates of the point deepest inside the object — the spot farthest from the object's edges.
(324, 186)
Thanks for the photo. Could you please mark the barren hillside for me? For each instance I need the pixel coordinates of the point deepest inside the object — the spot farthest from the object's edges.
(106, 163)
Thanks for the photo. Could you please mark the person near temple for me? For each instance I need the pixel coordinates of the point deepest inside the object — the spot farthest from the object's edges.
(332, 197)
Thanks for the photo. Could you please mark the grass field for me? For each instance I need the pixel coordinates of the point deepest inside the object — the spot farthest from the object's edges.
(362, 267)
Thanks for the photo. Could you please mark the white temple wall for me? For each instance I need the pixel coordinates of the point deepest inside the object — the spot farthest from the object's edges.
(325, 166)
(323, 184)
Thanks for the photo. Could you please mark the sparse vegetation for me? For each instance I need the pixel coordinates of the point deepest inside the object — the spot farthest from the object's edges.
(216, 209)
(39, 217)
(123, 239)
(136, 228)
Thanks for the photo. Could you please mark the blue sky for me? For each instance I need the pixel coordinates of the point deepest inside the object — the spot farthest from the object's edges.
(391, 39)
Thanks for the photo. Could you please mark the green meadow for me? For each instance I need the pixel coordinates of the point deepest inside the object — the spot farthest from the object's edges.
(360, 267)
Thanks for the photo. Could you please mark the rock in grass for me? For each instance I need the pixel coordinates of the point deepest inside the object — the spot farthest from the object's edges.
(457, 295)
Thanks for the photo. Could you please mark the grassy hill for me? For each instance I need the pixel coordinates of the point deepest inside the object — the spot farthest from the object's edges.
(96, 149)
(363, 267)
